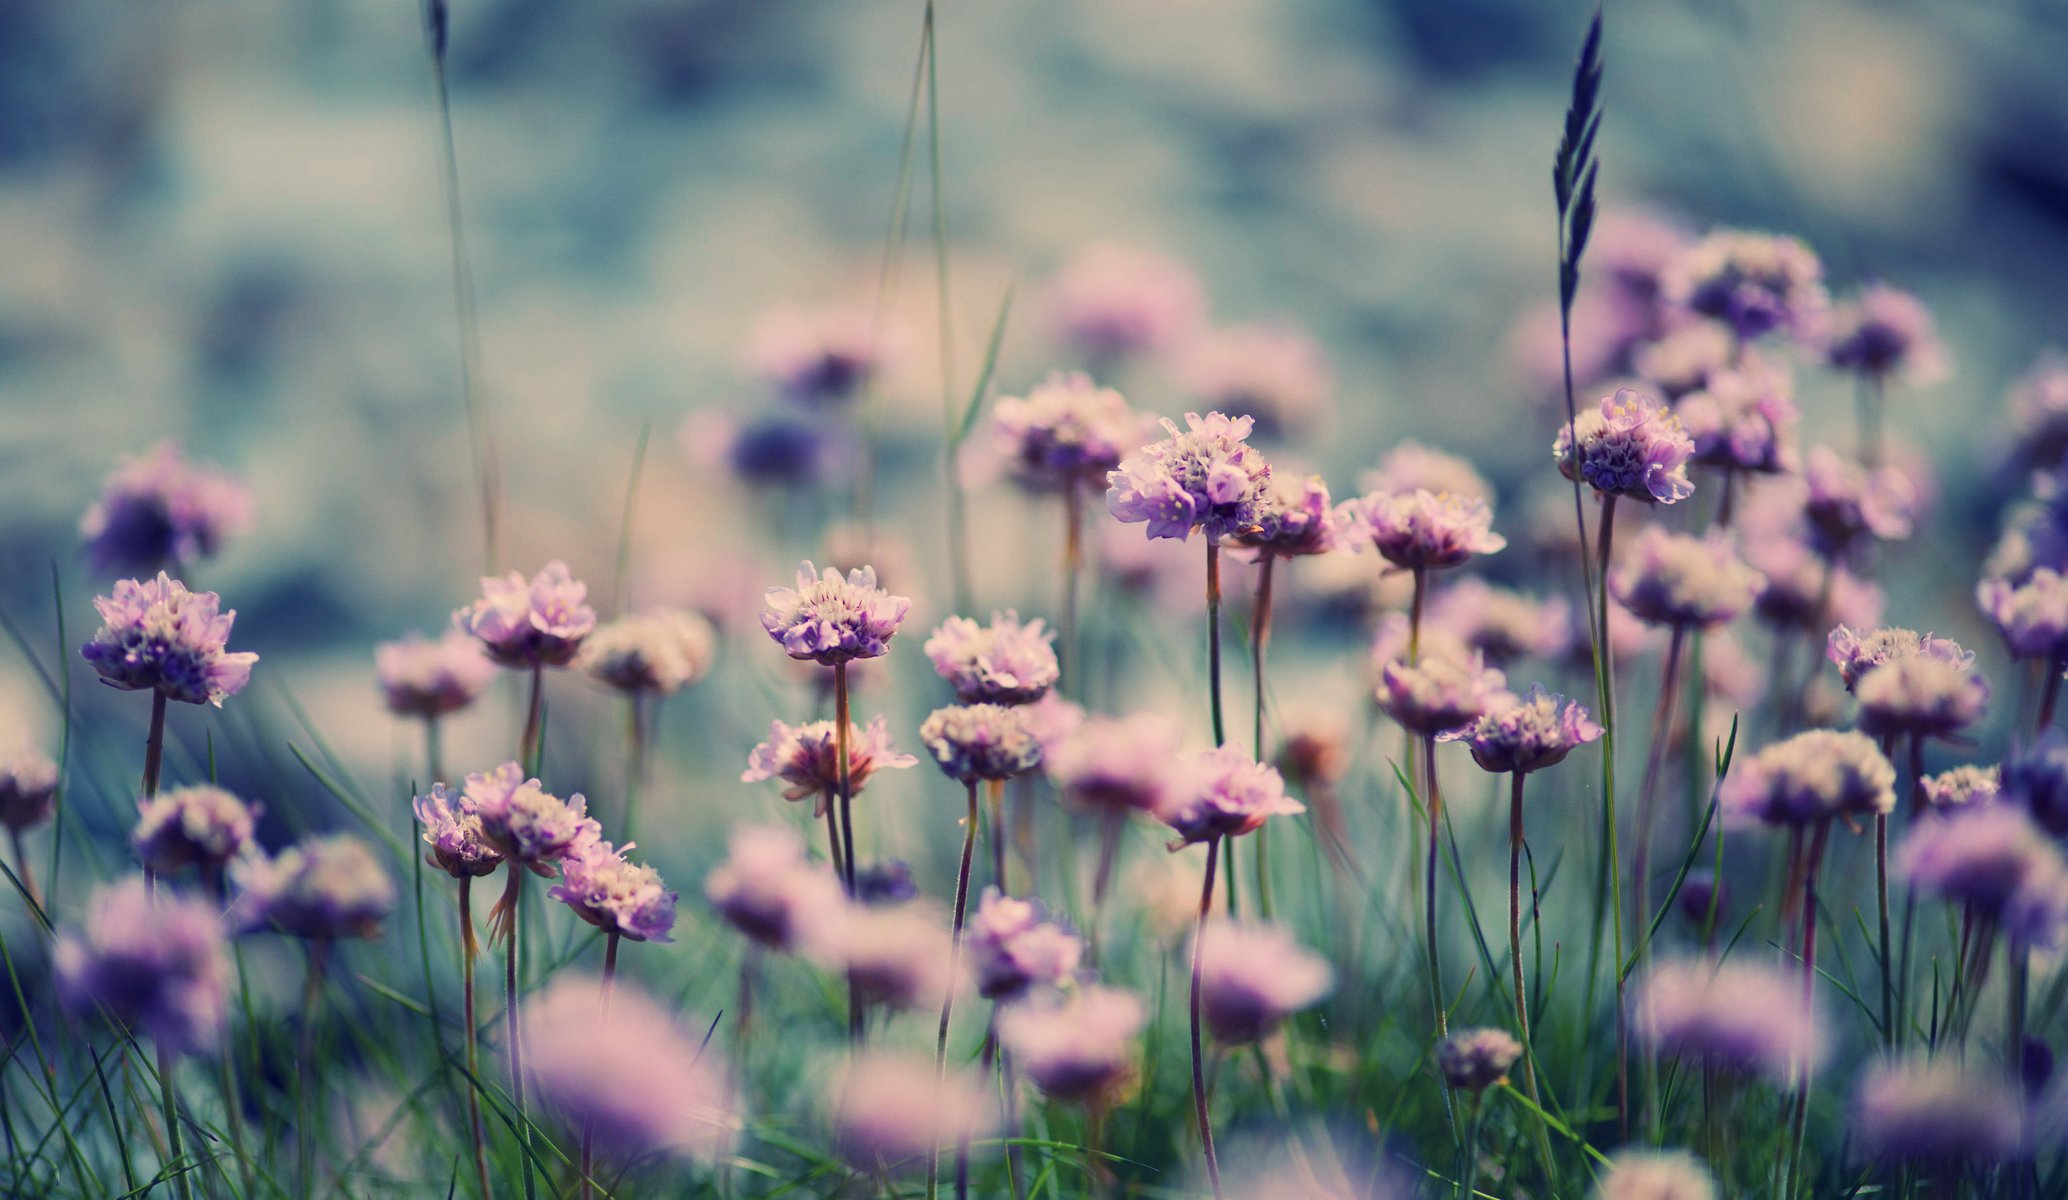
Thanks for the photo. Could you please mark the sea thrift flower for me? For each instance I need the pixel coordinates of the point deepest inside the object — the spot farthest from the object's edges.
(1274, 374)
(202, 827)
(886, 882)
(1740, 1016)
(1686, 360)
(163, 511)
(614, 894)
(889, 1109)
(1811, 777)
(1474, 1060)
(1079, 1048)
(1995, 861)
(769, 891)
(1795, 595)
(1411, 466)
(1526, 733)
(155, 635)
(1743, 419)
(1886, 331)
(2037, 777)
(528, 625)
(1629, 446)
(1920, 695)
(1679, 579)
(627, 1070)
(1390, 643)
(2032, 615)
(815, 358)
(322, 888)
(658, 652)
(1206, 477)
(1847, 501)
(1004, 662)
(452, 829)
(1501, 624)
(524, 821)
(1013, 950)
(1655, 1175)
(423, 678)
(28, 790)
(161, 968)
(770, 449)
(973, 742)
(1935, 1110)
(1253, 976)
(1113, 301)
(1051, 720)
(2039, 412)
(1755, 282)
(1117, 764)
(1293, 520)
(1856, 654)
(1966, 786)
(1066, 432)
(1223, 792)
(1419, 529)
(830, 620)
(806, 758)
(1441, 692)
(896, 957)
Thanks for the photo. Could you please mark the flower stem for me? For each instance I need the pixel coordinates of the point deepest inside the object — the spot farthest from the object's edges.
(1610, 877)
(1529, 1053)
(995, 792)
(154, 745)
(844, 795)
(1414, 616)
(1809, 999)
(233, 1112)
(513, 1021)
(1260, 640)
(22, 869)
(168, 1098)
(305, 1065)
(534, 720)
(1662, 730)
(636, 716)
(1432, 803)
(2049, 695)
(434, 754)
(1213, 672)
(1206, 1133)
(1073, 566)
(940, 1053)
(610, 977)
(1111, 826)
(468, 949)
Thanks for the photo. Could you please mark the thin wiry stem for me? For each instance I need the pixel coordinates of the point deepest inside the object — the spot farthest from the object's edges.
(512, 905)
(1809, 999)
(1529, 1053)
(305, 1066)
(610, 977)
(940, 1056)
(469, 948)
(1213, 675)
(528, 748)
(1199, 1109)
(844, 795)
(1259, 641)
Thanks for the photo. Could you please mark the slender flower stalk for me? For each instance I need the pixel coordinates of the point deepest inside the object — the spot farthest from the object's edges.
(1516, 845)
(1259, 641)
(1798, 1128)
(305, 1061)
(610, 976)
(528, 748)
(470, 948)
(1662, 727)
(1199, 1110)
(940, 1059)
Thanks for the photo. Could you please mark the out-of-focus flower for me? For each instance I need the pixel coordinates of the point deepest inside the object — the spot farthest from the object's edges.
(321, 888)
(1078, 1048)
(973, 742)
(1111, 301)
(1314, 746)
(896, 957)
(161, 968)
(1067, 432)
(1655, 1175)
(28, 790)
(1117, 764)
(1501, 624)
(624, 1070)
(2036, 776)
(1205, 477)
(658, 652)
(1996, 861)
(1702, 895)
(2032, 615)
(1630, 445)
(1223, 792)
(1743, 419)
(1419, 529)
(1253, 976)
(1052, 720)
(1756, 282)
(1686, 359)
(1965, 786)
(1883, 332)
(2039, 412)
(1856, 654)
(1935, 1110)
(524, 821)
(452, 829)
(1005, 662)
(1847, 501)
(1473, 1060)
(1411, 466)
(890, 1109)
(1526, 733)
(614, 894)
(773, 449)
(528, 624)
(832, 620)
(1680, 579)
(1920, 695)
(155, 635)
(1439, 693)
(1272, 373)
(806, 758)
(1795, 594)
(1390, 642)
(816, 357)
(886, 882)
(423, 678)
(1739, 1016)
(1811, 777)
(1013, 949)
(163, 510)
(200, 826)
(1293, 520)
(769, 891)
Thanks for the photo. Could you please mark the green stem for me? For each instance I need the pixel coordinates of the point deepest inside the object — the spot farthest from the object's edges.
(1809, 999)
(1529, 1053)
(534, 719)
(940, 1056)
(305, 1066)
(1260, 641)
(468, 949)
(610, 977)
(1199, 1108)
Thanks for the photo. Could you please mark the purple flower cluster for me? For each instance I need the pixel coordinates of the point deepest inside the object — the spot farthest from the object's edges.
(1526, 733)
(323, 888)
(894, 956)
(1936, 1110)
(1223, 792)
(614, 894)
(2032, 614)
(657, 653)
(155, 635)
(1994, 860)
(1113, 301)
(1857, 654)
(1441, 692)
(202, 826)
(1066, 432)
(830, 620)
(28, 790)
(1920, 695)
(1116, 764)
(1884, 332)
(1205, 477)
(768, 890)
(1473, 1060)
(529, 624)
(1809, 778)
(1964, 786)
(1631, 445)
(523, 821)
(806, 758)
(452, 829)
(973, 742)
(1500, 624)
(1847, 503)
(1679, 579)
(1080, 1047)
(1005, 662)
(1739, 1016)
(2037, 778)
(1274, 374)
(2039, 412)
(1419, 529)
(163, 511)
(1293, 520)
(815, 358)
(1757, 283)
(1253, 976)
(423, 678)
(889, 1109)
(160, 967)
(1013, 949)
(1743, 419)
(624, 1069)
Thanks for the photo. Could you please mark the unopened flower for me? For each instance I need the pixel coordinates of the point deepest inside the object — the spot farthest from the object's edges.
(1994, 860)
(1419, 529)
(1112, 301)
(524, 821)
(2031, 615)
(201, 826)
(163, 510)
(769, 891)
(1005, 662)
(1078, 1048)
(1928, 697)
(161, 967)
(155, 635)
(1501, 624)
(1205, 477)
(974, 742)
(816, 357)
(832, 620)
(890, 1109)
(1847, 501)
(1293, 520)
(614, 894)
(1473, 1060)
(322, 888)
(1655, 1175)
(1680, 579)
(1116, 764)
(1274, 374)
(1739, 1016)
(423, 678)
(625, 1071)
(1965, 786)
(1526, 733)
(896, 957)
(528, 624)
(1885, 332)
(452, 829)
(806, 758)
(1743, 419)
(1936, 1110)
(1411, 466)
(1755, 282)
(1439, 693)
(1253, 976)
(1631, 445)
(2037, 777)
(1067, 432)
(28, 790)
(658, 652)
(1013, 949)
(1856, 654)
(1223, 792)
(1811, 777)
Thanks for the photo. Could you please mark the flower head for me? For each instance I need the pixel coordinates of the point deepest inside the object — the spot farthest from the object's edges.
(1847, 502)
(1743, 418)
(2039, 412)
(322, 888)
(1077, 1048)
(1293, 520)
(1811, 777)
(1755, 282)
(1411, 466)
(769, 891)
(1739, 1016)
(1473, 1060)
(1795, 597)
(1252, 976)
(1223, 793)
(1051, 720)
(1526, 733)
(162, 511)
(896, 957)
(525, 822)
(1655, 1175)
(614, 894)
(28, 790)
(626, 1071)
(1112, 301)
(1274, 374)
(807, 758)
(1964, 786)
(1441, 692)
(2037, 778)
(832, 620)
(1936, 1110)
(155, 635)
(1921, 695)
(452, 829)
(1004, 662)
(1679, 579)
(890, 1109)
(423, 678)
(658, 652)
(1856, 654)
(1419, 529)
(1886, 331)
(524, 625)
(1066, 432)
(201, 826)
(1684, 360)
(973, 742)
(162, 968)
(1205, 477)
(1502, 625)
(2031, 615)
(1013, 949)
(1117, 764)
(1996, 862)
(816, 357)
(1630, 446)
